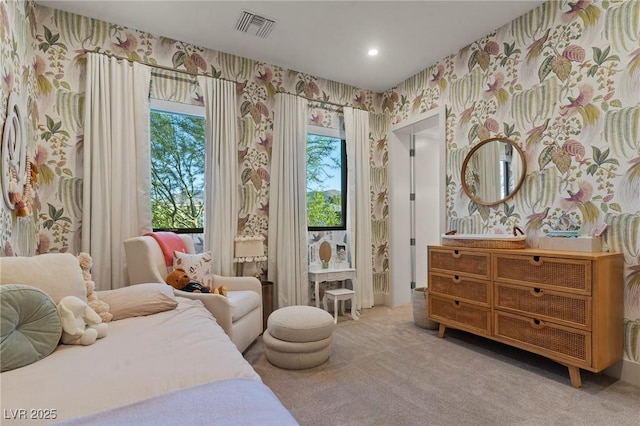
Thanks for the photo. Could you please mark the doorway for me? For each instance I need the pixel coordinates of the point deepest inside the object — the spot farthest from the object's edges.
(416, 200)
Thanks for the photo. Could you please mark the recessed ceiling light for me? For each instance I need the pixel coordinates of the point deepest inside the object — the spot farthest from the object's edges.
(373, 52)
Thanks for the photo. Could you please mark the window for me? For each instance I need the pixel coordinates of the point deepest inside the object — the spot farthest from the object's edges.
(177, 167)
(326, 182)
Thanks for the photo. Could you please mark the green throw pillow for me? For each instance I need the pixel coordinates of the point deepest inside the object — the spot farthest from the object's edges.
(30, 325)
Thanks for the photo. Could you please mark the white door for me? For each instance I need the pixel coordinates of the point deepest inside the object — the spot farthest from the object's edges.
(415, 221)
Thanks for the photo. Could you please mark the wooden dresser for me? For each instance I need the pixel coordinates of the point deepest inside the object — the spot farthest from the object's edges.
(566, 306)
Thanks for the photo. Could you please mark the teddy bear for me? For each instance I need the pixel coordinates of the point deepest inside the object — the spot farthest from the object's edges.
(180, 280)
(222, 290)
(81, 325)
(99, 306)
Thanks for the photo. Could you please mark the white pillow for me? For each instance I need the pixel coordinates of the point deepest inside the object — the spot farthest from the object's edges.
(197, 266)
(57, 274)
(139, 300)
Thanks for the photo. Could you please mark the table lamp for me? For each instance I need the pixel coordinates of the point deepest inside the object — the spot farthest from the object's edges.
(249, 248)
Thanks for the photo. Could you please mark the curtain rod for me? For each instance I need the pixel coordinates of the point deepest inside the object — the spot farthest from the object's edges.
(189, 80)
(340, 106)
(163, 67)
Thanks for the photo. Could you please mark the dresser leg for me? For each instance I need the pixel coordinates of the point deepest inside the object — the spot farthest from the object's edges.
(441, 330)
(574, 375)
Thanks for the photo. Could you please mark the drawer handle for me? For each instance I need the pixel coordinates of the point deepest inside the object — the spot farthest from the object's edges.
(537, 324)
(536, 261)
(537, 292)
(456, 304)
(456, 279)
(456, 254)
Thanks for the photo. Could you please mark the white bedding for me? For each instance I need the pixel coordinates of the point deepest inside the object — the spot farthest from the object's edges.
(230, 402)
(139, 358)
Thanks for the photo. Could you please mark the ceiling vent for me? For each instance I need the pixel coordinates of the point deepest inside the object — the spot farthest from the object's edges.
(255, 24)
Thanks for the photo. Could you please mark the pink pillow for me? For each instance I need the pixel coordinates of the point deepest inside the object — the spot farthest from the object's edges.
(139, 300)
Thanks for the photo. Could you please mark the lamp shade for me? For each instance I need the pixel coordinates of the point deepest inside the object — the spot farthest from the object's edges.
(249, 249)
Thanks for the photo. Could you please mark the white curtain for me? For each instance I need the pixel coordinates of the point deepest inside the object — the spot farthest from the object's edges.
(516, 170)
(117, 174)
(356, 124)
(287, 254)
(221, 172)
(488, 168)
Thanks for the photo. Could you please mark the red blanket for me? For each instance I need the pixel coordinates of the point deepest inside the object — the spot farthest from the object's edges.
(168, 242)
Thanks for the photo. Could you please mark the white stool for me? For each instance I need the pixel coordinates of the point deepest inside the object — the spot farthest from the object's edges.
(298, 337)
(340, 294)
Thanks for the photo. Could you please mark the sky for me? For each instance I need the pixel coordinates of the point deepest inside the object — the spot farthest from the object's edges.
(333, 183)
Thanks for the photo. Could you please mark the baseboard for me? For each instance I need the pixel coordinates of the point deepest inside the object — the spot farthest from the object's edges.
(381, 299)
(625, 370)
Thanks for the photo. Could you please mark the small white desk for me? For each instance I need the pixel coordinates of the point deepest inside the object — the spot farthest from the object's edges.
(331, 274)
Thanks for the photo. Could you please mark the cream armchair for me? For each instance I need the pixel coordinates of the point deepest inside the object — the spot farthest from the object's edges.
(239, 313)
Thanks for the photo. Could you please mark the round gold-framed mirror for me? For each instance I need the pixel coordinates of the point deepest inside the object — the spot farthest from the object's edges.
(493, 171)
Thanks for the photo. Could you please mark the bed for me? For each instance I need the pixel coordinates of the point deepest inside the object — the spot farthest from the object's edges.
(179, 359)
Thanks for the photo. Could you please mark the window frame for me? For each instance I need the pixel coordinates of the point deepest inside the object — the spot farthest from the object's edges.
(337, 134)
(171, 107)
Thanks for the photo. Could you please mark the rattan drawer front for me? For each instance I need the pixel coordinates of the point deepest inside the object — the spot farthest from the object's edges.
(459, 314)
(563, 308)
(460, 262)
(459, 287)
(545, 338)
(568, 274)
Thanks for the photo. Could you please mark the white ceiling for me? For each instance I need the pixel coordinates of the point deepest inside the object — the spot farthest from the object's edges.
(327, 39)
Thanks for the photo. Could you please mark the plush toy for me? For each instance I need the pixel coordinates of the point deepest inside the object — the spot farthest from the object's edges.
(101, 307)
(180, 280)
(85, 264)
(222, 290)
(81, 325)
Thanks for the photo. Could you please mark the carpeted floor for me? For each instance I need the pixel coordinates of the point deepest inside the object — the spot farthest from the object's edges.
(384, 370)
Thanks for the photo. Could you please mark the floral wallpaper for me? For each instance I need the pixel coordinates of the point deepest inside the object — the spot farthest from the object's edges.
(18, 222)
(378, 127)
(563, 81)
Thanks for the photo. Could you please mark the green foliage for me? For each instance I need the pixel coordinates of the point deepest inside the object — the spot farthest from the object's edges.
(600, 158)
(509, 213)
(323, 210)
(509, 49)
(50, 40)
(177, 170)
(600, 57)
(55, 215)
(510, 131)
(323, 162)
(53, 128)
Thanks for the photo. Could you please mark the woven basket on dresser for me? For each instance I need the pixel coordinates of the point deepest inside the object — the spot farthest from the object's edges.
(494, 244)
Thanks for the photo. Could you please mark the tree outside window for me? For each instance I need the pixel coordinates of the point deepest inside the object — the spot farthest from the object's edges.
(177, 171)
(326, 183)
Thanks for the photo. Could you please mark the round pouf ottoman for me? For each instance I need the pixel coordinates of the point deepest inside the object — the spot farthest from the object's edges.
(298, 337)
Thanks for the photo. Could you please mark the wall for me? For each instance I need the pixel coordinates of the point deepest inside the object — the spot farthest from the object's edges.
(17, 29)
(58, 67)
(563, 81)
